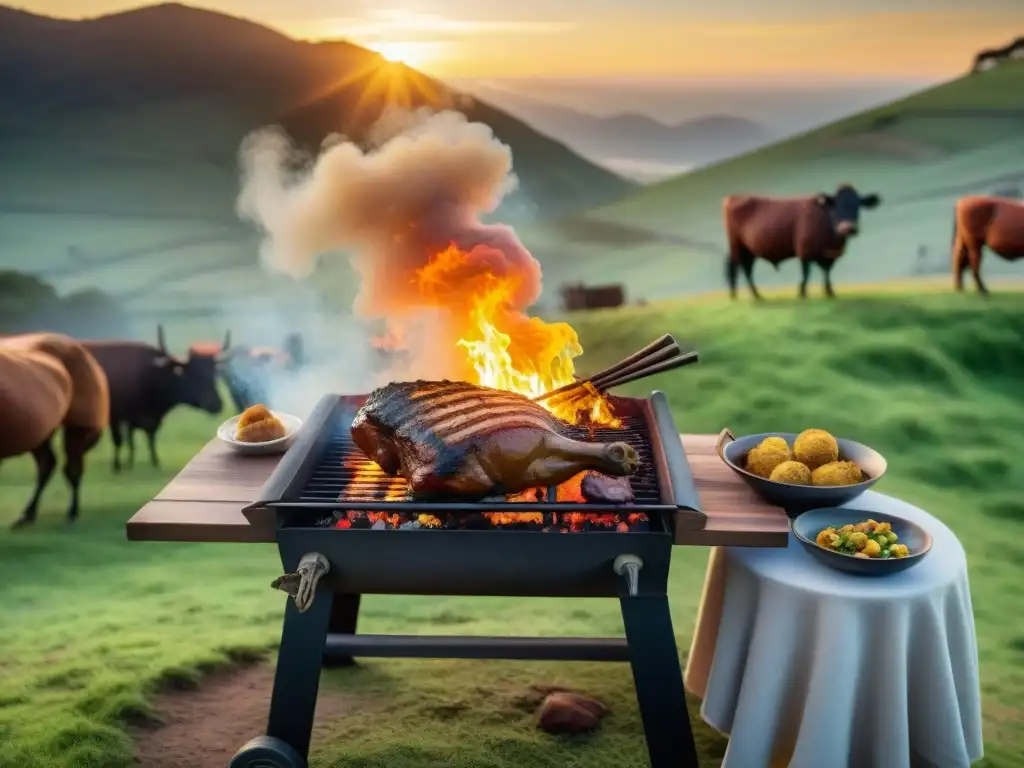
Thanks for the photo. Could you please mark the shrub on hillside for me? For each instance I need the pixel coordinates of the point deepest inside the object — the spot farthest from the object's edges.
(28, 303)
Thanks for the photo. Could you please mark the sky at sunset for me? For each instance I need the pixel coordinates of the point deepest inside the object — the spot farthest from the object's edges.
(639, 38)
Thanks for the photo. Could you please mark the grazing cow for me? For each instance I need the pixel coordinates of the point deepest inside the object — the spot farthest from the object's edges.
(992, 57)
(248, 370)
(813, 229)
(985, 221)
(48, 380)
(146, 382)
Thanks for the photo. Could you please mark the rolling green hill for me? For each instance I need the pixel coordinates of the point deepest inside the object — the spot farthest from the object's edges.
(126, 179)
(920, 154)
(119, 137)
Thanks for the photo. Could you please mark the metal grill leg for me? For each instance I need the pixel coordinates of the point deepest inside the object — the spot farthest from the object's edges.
(344, 617)
(658, 677)
(297, 678)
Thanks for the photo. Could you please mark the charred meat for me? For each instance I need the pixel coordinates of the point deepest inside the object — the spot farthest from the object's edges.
(458, 440)
(602, 489)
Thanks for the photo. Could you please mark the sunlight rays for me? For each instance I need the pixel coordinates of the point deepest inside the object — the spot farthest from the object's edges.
(379, 82)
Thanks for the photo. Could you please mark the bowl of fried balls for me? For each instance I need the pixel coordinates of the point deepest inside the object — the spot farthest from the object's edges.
(802, 471)
(259, 431)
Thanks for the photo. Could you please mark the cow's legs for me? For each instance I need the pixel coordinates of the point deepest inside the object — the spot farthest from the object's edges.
(131, 446)
(959, 261)
(974, 262)
(826, 267)
(46, 462)
(151, 438)
(77, 442)
(732, 272)
(805, 272)
(116, 438)
(747, 265)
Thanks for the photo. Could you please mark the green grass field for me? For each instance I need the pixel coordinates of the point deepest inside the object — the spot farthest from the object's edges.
(94, 624)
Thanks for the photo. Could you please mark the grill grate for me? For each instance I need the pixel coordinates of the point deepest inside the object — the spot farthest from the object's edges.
(343, 472)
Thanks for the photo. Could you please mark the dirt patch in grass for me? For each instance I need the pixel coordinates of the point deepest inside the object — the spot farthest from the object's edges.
(203, 728)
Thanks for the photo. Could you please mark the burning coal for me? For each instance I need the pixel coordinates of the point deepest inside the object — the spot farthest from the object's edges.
(449, 289)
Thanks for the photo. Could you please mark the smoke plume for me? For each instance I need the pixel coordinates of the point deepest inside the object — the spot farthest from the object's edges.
(422, 185)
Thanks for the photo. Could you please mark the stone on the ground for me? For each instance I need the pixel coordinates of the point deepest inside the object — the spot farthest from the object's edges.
(568, 712)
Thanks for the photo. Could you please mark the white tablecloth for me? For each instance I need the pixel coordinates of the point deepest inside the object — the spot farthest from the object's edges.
(830, 670)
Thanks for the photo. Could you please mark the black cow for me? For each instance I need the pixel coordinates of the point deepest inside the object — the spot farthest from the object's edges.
(147, 382)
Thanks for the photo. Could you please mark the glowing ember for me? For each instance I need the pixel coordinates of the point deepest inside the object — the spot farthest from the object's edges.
(505, 348)
(548, 522)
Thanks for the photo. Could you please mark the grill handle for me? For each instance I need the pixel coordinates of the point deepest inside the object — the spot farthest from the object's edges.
(629, 566)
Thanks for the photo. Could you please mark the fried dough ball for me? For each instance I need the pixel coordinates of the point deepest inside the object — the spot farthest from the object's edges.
(837, 473)
(776, 442)
(253, 414)
(763, 459)
(815, 447)
(261, 432)
(258, 425)
(899, 550)
(792, 472)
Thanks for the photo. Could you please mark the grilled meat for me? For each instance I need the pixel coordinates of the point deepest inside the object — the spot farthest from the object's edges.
(601, 489)
(458, 440)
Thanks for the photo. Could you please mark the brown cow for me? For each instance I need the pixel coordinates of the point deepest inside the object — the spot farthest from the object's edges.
(813, 229)
(980, 221)
(48, 380)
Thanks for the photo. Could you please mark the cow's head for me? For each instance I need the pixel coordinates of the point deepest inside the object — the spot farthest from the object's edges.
(844, 208)
(193, 381)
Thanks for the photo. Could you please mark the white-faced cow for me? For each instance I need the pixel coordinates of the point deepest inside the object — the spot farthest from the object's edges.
(146, 382)
(995, 222)
(814, 229)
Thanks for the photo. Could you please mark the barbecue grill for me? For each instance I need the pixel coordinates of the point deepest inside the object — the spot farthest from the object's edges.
(345, 529)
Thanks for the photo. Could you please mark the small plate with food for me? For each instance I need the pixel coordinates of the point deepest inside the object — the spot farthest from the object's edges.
(259, 431)
(859, 541)
(802, 471)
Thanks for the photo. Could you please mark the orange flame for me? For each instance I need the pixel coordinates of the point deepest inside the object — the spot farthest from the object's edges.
(506, 349)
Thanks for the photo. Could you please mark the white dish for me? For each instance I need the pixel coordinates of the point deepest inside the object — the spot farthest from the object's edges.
(226, 432)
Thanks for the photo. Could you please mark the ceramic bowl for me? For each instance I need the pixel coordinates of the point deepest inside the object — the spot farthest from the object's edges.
(808, 525)
(795, 499)
(226, 432)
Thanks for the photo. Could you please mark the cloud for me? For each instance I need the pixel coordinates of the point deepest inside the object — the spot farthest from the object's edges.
(392, 23)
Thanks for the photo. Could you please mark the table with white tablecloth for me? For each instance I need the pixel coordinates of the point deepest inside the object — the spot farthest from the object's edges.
(812, 667)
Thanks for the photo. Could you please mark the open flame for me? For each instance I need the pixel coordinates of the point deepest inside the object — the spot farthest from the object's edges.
(506, 349)
(407, 207)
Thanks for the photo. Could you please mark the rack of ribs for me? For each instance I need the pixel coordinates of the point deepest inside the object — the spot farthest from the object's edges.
(457, 440)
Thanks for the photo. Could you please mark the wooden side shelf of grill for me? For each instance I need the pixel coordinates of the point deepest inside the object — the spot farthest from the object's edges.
(207, 502)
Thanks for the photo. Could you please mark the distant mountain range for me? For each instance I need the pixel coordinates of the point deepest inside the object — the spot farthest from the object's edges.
(634, 139)
(138, 71)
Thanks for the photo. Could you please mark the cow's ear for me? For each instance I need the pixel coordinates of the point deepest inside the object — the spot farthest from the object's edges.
(870, 201)
(825, 201)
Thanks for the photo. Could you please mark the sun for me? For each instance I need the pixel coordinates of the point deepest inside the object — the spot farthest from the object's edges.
(408, 53)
